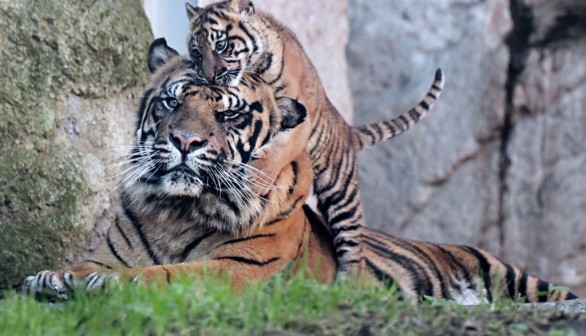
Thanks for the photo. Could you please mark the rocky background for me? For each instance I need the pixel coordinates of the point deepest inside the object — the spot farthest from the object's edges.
(501, 162)
(72, 72)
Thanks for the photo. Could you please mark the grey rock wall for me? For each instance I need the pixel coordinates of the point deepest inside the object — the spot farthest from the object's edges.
(72, 73)
(501, 162)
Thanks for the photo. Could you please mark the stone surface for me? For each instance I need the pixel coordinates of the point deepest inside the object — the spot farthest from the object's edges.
(70, 72)
(322, 28)
(500, 163)
(570, 306)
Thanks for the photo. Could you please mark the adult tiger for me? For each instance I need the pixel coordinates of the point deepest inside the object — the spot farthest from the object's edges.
(184, 203)
(227, 40)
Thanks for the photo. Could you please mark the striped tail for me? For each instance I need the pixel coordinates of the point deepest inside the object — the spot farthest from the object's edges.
(368, 135)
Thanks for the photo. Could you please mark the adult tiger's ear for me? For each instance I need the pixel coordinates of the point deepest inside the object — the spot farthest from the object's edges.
(159, 54)
(192, 11)
(244, 7)
(293, 112)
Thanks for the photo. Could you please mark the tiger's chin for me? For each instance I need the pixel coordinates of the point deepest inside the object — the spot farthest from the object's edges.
(180, 183)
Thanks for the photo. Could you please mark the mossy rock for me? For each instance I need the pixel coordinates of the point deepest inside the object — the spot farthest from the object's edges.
(71, 72)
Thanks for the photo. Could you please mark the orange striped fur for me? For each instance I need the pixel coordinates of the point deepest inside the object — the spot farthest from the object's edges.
(199, 220)
(229, 39)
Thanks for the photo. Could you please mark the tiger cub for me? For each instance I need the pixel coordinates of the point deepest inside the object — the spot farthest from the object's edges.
(184, 204)
(228, 41)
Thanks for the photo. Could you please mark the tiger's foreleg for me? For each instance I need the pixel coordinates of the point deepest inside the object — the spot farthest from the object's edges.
(339, 201)
(61, 285)
(270, 159)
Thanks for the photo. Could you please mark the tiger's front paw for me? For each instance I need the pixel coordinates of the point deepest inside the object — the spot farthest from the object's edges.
(61, 285)
(49, 285)
(100, 281)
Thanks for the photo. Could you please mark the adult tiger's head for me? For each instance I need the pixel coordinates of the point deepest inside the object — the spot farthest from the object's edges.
(194, 142)
(227, 41)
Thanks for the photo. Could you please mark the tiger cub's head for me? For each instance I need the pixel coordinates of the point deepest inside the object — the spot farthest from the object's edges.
(194, 142)
(225, 43)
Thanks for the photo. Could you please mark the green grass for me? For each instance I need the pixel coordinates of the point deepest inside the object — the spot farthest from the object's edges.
(287, 305)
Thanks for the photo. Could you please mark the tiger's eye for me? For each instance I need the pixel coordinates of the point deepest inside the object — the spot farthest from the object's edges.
(221, 45)
(171, 103)
(229, 115)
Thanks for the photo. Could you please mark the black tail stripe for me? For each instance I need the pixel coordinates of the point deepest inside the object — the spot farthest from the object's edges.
(422, 285)
(383, 277)
(429, 262)
(510, 278)
(542, 290)
(456, 264)
(485, 268)
(523, 286)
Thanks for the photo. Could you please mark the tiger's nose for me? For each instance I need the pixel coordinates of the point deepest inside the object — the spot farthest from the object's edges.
(186, 143)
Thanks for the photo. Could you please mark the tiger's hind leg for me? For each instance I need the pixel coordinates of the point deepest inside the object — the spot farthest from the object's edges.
(339, 201)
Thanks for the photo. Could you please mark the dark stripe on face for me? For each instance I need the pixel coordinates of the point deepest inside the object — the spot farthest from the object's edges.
(258, 126)
(138, 227)
(143, 106)
(271, 83)
(249, 35)
(265, 63)
(248, 261)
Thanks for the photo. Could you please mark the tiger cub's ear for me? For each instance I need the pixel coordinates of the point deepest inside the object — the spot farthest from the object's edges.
(192, 11)
(243, 7)
(292, 111)
(159, 54)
